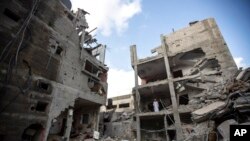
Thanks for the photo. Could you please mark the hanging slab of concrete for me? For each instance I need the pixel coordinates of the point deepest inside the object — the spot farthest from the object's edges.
(205, 112)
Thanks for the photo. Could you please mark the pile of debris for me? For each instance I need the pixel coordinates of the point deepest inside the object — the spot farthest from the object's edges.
(220, 100)
(211, 112)
(83, 133)
(220, 107)
(117, 125)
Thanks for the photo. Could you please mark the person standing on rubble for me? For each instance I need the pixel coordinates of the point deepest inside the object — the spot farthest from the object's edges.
(156, 105)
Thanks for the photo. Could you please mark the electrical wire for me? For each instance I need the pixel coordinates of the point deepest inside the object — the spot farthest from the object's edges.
(10, 65)
(23, 91)
(27, 20)
(163, 105)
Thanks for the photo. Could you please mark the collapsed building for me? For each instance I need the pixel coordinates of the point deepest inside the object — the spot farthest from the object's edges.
(116, 119)
(197, 84)
(53, 79)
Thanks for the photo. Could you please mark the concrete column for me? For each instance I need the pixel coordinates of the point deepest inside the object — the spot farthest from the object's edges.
(138, 128)
(82, 39)
(68, 125)
(166, 127)
(134, 61)
(97, 119)
(46, 132)
(179, 134)
(102, 53)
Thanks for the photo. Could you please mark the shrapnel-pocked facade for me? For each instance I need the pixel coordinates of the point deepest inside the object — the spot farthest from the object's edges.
(53, 79)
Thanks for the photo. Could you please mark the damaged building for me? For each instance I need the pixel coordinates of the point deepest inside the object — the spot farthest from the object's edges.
(121, 103)
(53, 81)
(53, 78)
(116, 119)
(196, 83)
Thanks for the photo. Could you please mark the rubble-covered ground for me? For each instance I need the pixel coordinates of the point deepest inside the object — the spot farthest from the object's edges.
(117, 125)
(219, 107)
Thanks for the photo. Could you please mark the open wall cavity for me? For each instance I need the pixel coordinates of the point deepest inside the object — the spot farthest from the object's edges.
(97, 76)
(152, 71)
(160, 93)
(182, 63)
(82, 121)
(33, 133)
(152, 130)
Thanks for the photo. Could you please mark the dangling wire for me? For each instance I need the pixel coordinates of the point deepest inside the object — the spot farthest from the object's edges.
(14, 59)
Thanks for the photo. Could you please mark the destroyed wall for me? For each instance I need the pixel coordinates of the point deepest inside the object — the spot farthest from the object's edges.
(188, 72)
(117, 119)
(201, 41)
(46, 68)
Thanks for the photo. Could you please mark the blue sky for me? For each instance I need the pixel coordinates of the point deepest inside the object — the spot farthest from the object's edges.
(142, 21)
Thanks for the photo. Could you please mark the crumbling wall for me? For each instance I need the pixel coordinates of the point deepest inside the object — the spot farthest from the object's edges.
(202, 40)
(116, 121)
(118, 125)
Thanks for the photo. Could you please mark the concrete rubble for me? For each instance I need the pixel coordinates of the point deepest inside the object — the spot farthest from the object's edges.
(117, 119)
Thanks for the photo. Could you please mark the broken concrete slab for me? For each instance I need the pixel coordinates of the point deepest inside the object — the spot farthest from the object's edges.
(205, 112)
(209, 108)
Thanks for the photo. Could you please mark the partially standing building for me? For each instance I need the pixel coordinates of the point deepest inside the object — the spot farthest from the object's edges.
(53, 78)
(185, 66)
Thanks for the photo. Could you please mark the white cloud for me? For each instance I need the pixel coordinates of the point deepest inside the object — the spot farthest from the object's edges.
(240, 62)
(109, 15)
(120, 82)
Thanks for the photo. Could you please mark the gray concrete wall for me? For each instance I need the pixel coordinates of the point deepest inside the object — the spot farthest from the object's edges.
(51, 26)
